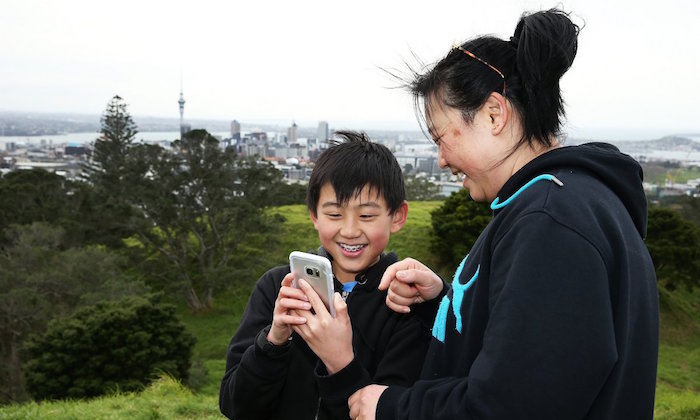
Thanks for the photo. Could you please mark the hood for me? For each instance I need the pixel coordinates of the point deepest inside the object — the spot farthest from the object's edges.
(620, 172)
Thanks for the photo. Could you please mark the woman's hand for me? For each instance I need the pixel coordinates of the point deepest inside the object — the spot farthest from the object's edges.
(409, 282)
(330, 338)
(363, 403)
(289, 298)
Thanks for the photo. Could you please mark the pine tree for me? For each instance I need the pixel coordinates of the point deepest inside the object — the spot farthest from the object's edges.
(110, 152)
(108, 173)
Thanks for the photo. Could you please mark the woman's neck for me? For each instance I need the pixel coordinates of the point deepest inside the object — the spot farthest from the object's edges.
(528, 152)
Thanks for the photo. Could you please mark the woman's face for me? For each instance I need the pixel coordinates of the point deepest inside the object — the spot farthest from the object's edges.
(471, 150)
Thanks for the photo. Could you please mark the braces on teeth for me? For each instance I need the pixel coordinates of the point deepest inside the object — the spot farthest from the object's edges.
(352, 248)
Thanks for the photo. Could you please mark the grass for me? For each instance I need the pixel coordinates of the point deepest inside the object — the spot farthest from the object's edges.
(678, 384)
(163, 399)
(658, 174)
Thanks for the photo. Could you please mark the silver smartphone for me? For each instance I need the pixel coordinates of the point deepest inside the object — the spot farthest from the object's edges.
(317, 271)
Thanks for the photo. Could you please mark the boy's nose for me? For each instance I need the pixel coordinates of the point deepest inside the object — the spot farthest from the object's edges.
(350, 229)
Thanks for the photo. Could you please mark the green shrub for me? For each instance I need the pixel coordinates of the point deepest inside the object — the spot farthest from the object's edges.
(457, 224)
(674, 245)
(120, 345)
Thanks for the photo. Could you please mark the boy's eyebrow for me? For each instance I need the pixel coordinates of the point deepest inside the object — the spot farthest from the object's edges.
(336, 204)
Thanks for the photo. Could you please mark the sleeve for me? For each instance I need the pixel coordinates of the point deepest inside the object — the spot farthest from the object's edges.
(549, 344)
(253, 381)
(399, 364)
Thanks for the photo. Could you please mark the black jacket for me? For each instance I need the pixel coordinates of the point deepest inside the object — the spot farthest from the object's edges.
(292, 383)
(553, 314)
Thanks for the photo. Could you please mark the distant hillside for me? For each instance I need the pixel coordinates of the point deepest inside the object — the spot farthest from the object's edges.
(685, 143)
(676, 143)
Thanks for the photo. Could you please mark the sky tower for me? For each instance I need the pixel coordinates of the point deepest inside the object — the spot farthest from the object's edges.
(181, 102)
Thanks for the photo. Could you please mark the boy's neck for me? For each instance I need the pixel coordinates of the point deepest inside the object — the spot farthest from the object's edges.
(350, 277)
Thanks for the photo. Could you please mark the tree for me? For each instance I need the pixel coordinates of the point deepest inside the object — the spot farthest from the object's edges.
(199, 203)
(41, 279)
(107, 172)
(421, 189)
(36, 195)
(32, 196)
(120, 345)
(674, 245)
(111, 149)
(457, 224)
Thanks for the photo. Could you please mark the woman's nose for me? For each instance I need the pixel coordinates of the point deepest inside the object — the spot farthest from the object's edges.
(442, 163)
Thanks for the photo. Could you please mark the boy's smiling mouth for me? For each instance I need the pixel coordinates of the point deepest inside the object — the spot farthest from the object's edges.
(351, 248)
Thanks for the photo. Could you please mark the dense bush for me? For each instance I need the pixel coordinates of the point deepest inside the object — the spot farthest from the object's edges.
(674, 245)
(120, 345)
(457, 224)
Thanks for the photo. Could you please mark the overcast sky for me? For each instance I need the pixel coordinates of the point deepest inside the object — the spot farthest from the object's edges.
(637, 70)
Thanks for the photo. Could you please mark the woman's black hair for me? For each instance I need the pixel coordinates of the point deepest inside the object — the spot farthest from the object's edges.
(353, 162)
(538, 54)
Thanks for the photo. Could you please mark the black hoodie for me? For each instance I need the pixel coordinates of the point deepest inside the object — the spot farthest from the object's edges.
(291, 382)
(553, 314)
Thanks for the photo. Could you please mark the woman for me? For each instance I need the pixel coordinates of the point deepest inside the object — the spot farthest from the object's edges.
(553, 313)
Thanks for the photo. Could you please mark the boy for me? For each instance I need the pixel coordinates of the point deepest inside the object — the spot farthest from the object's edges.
(289, 358)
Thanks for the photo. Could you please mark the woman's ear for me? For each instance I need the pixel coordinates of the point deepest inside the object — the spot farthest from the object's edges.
(498, 112)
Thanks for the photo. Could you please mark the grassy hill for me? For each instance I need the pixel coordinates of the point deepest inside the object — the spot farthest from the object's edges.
(678, 385)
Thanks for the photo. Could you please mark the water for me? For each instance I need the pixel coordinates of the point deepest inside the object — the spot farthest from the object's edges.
(76, 139)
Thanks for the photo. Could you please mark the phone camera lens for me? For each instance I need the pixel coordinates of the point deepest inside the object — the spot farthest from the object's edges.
(309, 271)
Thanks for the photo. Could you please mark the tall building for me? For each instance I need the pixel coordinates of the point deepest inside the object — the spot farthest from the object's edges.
(292, 134)
(181, 102)
(322, 133)
(236, 130)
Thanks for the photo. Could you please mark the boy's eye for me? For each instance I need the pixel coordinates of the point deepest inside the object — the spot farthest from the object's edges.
(367, 216)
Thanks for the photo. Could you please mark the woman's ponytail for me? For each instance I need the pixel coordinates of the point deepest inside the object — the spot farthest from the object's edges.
(546, 44)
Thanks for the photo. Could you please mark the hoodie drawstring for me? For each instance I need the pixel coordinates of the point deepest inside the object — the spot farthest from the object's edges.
(495, 205)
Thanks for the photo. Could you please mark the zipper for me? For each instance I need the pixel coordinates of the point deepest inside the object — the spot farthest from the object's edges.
(318, 408)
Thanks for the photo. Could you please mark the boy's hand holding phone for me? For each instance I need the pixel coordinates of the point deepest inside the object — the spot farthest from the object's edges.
(330, 338)
(289, 298)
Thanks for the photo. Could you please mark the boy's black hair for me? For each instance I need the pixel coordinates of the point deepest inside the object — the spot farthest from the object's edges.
(353, 163)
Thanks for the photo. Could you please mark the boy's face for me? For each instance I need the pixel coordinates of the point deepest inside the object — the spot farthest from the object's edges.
(357, 233)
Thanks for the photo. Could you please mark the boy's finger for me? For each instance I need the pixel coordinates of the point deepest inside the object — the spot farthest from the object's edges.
(292, 320)
(293, 292)
(288, 279)
(315, 301)
(292, 303)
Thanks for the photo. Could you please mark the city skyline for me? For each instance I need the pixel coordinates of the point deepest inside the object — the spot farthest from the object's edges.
(276, 63)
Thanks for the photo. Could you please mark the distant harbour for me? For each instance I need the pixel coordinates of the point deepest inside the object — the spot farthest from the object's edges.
(89, 137)
(73, 139)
